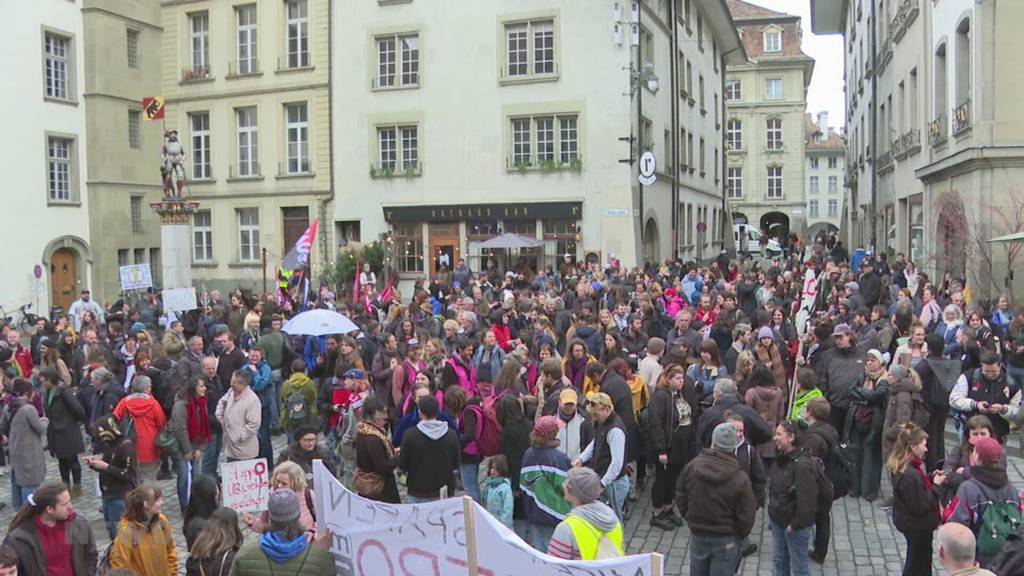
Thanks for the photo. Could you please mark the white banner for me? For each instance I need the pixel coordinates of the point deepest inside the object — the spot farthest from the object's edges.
(179, 299)
(371, 538)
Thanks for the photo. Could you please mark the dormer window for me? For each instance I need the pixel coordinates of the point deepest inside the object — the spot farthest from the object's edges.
(772, 40)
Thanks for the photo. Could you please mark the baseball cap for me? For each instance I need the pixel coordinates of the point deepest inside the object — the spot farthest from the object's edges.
(842, 330)
(568, 396)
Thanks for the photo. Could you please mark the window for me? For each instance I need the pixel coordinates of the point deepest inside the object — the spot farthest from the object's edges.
(297, 35)
(552, 139)
(701, 99)
(245, 17)
(394, 142)
(775, 182)
(200, 125)
(772, 41)
(812, 208)
(774, 134)
(833, 208)
(560, 237)
(646, 134)
(134, 130)
(689, 151)
(815, 164)
(833, 185)
(297, 134)
(912, 101)
(58, 60)
(199, 24)
(647, 48)
(940, 81)
(700, 33)
(394, 52)
(703, 154)
(773, 89)
(132, 47)
(59, 152)
(682, 149)
(139, 256)
(833, 162)
(409, 240)
(813, 188)
(135, 205)
(122, 257)
(248, 234)
(202, 236)
(248, 142)
(734, 135)
(522, 61)
(732, 90)
(689, 80)
(963, 62)
(347, 231)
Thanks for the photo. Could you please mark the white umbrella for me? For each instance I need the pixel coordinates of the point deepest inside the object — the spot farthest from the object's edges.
(319, 323)
(509, 240)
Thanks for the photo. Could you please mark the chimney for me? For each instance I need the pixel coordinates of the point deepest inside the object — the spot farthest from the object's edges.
(823, 123)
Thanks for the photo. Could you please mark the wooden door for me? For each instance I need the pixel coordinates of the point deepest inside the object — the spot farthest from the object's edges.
(444, 245)
(63, 277)
(295, 221)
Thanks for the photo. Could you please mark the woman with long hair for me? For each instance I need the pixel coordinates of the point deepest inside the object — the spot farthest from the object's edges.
(288, 475)
(509, 380)
(611, 347)
(348, 356)
(204, 499)
(915, 510)
(961, 458)
(769, 401)
(144, 542)
(574, 366)
(745, 363)
(512, 443)
(709, 369)
(49, 357)
(376, 459)
(213, 552)
(673, 413)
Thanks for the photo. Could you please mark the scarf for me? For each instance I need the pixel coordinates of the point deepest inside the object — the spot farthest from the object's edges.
(371, 429)
(197, 422)
(280, 550)
(575, 370)
(918, 465)
(873, 376)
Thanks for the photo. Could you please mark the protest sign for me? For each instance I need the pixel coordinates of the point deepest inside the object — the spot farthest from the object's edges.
(451, 536)
(135, 277)
(180, 299)
(246, 485)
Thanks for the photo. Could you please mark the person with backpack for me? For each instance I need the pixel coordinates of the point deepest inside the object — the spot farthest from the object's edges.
(797, 490)
(987, 502)
(116, 467)
(963, 457)
(591, 530)
(752, 466)
(822, 441)
(915, 510)
(49, 537)
(479, 435)
(141, 418)
(298, 400)
(986, 390)
(938, 378)
(25, 429)
(867, 418)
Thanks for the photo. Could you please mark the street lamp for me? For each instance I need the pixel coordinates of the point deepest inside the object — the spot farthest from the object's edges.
(644, 75)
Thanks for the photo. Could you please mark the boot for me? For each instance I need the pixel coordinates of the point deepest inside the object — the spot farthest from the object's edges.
(663, 521)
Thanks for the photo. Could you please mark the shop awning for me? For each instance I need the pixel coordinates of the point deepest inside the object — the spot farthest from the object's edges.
(512, 241)
(1015, 237)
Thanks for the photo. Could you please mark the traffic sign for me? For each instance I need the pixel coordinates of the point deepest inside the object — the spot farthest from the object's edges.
(701, 227)
(647, 168)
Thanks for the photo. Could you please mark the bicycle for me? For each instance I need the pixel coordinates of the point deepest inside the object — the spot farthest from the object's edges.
(26, 320)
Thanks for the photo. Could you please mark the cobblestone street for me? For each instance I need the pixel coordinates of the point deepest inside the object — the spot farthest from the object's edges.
(864, 541)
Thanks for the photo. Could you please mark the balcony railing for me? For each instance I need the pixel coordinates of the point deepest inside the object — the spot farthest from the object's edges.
(907, 144)
(196, 73)
(937, 131)
(244, 68)
(884, 162)
(404, 169)
(962, 117)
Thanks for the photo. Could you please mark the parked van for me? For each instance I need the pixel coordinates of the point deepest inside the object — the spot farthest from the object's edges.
(749, 240)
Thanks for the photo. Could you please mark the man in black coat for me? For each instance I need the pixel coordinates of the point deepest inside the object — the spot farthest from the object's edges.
(622, 398)
(726, 398)
(430, 454)
(870, 283)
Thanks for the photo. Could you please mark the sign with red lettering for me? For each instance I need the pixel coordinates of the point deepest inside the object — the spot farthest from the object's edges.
(246, 485)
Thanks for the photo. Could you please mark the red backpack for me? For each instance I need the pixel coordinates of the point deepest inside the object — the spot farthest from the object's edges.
(485, 440)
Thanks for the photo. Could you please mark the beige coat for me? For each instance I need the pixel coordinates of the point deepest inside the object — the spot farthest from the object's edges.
(241, 418)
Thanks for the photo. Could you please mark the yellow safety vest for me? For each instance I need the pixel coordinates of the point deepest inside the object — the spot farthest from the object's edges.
(588, 536)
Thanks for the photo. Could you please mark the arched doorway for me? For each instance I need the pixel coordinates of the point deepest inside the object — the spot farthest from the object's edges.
(63, 278)
(651, 244)
(951, 235)
(739, 218)
(775, 224)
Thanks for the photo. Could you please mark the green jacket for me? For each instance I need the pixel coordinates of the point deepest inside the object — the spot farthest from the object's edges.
(273, 345)
(252, 561)
(298, 382)
(797, 413)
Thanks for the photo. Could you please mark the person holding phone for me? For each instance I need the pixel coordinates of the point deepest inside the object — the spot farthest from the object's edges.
(987, 390)
(915, 511)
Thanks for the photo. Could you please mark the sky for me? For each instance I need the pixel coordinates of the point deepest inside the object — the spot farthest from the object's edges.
(826, 91)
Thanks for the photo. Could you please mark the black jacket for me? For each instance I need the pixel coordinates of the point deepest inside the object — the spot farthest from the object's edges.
(622, 398)
(793, 490)
(122, 473)
(757, 430)
(663, 417)
(841, 370)
(513, 442)
(870, 288)
(64, 434)
(430, 464)
(752, 465)
(818, 439)
(714, 498)
(25, 541)
(914, 509)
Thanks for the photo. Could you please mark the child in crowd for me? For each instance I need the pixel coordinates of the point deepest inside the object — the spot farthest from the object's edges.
(497, 490)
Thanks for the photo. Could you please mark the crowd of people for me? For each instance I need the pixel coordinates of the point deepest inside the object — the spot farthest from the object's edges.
(552, 398)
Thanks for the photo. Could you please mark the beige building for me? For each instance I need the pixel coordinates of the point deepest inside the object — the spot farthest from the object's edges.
(457, 120)
(826, 168)
(942, 119)
(766, 99)
(122, 65)
(247, 89)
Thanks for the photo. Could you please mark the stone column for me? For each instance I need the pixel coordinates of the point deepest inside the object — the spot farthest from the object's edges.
(175, 241)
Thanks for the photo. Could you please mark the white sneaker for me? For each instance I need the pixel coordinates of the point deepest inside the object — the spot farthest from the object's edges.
(3, 470)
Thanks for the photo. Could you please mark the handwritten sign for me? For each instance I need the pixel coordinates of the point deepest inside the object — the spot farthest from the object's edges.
(180, 299)
(136, 277)
(371, 538)
(246, 486)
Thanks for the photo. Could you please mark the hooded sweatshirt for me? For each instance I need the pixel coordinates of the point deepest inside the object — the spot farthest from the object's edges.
(279, 550)
(769, 402)
(148, 420)
(497, 497)
(988, 483)
(563, 542)
(714, 497)
(430, 456)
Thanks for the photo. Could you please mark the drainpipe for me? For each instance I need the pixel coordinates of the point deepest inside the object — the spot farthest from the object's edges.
(324, 248)
(673, 86)
(874, 128)
(640, 131)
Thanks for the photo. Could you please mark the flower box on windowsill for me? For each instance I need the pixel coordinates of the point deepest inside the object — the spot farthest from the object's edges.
(544, 166)
(376, 85)
(234, 73)
(377, 172)
(196, 74)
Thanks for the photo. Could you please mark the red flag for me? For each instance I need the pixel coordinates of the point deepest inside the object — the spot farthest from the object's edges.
(356, 288)
(298, 257)
(153, 107)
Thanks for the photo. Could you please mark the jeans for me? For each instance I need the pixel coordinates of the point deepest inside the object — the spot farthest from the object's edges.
(470, 474)
(415, 500)
(113, 509)
(615, 494)
(185, 472)
(275, 391)
(867, 460)
(540, 536)
(212, 454)
(19, 492)
(713, 555)
(789, 551)
(263, 436)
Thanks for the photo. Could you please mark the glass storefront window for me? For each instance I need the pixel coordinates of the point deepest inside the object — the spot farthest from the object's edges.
(409, 246)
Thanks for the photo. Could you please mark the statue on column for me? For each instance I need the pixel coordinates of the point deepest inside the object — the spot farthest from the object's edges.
(173, 171)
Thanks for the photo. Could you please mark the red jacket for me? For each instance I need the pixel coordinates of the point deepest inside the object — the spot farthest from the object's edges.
(503, 334)
(23, 356)
(148, 420)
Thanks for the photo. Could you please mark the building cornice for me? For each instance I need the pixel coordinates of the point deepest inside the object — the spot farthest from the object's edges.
(123, 184)
(971, 159)
(216, 195)
(107, 96)
(133, 21)
(246, 93)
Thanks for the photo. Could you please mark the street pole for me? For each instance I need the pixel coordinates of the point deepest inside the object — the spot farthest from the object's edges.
(263, 258)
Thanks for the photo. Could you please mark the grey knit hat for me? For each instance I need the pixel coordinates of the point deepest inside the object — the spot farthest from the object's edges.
(283, 505)
(724, 438)
(584, 484)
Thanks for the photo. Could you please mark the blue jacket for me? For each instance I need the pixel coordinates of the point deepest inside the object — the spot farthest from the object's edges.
(411, 419)
(261, 382)
(692, 288)
(497, 359)
(542, 475)
(497, 497)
